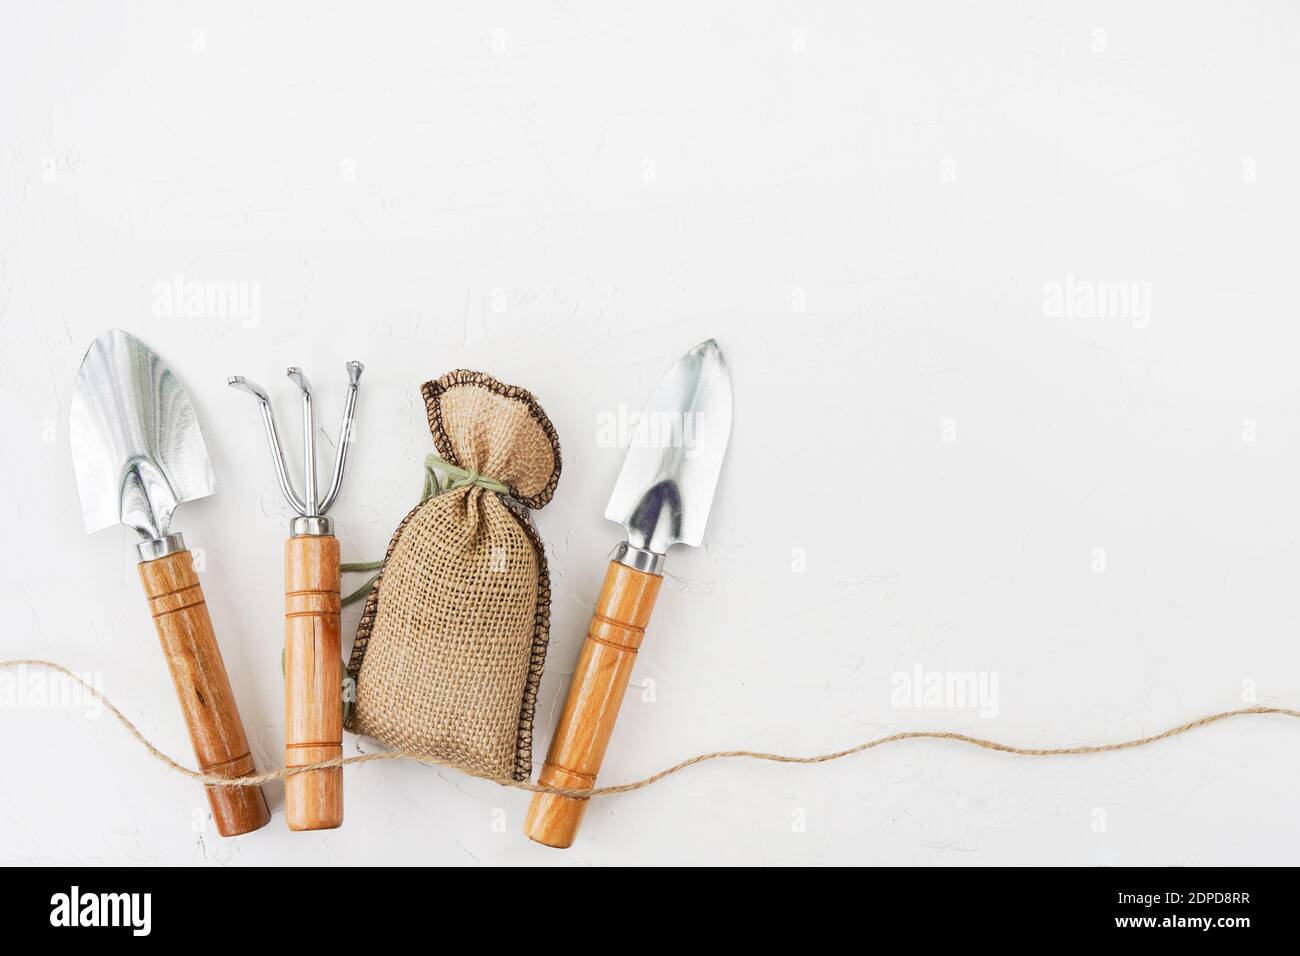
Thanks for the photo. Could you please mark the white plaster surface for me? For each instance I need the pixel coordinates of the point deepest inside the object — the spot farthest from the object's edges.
(864, 204)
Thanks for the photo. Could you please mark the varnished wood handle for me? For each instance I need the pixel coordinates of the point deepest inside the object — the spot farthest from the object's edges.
(313, 678)
(203, 689)
(599, 683)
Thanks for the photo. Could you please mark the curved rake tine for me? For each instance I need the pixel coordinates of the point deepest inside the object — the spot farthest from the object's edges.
(310, 498)
(272, 438)
(345, 436)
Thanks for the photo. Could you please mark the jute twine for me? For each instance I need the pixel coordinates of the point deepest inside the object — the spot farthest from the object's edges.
(259, 778)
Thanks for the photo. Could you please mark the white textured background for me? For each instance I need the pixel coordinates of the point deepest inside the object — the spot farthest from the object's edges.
(864, 206)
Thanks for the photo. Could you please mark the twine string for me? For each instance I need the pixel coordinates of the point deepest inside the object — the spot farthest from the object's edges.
(583, 793)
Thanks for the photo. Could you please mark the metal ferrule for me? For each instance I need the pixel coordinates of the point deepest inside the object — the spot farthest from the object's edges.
(639, 559)
(319, 525)
(155, 548)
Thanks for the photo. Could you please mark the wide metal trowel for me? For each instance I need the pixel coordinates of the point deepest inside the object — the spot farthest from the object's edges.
(662, 497)
(138, 453)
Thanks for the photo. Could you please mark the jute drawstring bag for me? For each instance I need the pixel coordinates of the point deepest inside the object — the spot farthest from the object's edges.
(452, 641)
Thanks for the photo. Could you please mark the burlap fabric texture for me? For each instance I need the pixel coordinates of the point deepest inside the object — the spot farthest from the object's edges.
(452, 641)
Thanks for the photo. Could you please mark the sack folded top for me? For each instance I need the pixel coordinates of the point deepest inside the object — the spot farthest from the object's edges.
(495, 430)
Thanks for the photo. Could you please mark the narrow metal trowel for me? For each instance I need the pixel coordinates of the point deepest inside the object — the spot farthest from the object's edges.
(138, 453)
(662, 497)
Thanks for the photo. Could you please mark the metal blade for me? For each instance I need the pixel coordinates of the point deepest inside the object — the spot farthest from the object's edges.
(136, 444)
(665, 491)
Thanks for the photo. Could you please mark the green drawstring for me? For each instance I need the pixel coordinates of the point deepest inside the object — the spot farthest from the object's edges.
(458, 478)
(360, 592)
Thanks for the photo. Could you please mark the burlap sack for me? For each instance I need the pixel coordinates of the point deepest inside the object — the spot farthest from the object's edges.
(451, 645)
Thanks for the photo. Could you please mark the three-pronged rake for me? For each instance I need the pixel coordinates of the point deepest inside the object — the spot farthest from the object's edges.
(313, 707)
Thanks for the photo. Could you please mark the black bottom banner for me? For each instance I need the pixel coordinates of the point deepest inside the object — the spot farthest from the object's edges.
(338, 905)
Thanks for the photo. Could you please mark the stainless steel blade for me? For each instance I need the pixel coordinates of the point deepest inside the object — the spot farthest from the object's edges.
(136, 444)
(665, 491)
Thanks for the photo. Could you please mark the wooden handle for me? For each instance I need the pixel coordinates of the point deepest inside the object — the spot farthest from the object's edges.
(599, 683)
(190, 646)
(313, 680)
